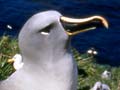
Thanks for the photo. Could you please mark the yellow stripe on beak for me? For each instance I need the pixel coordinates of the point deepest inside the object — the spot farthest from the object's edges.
(90, 21)
(77, 32)
(10, 60)
(84, 20)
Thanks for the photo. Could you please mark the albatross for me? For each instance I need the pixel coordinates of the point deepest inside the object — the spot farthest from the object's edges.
(44, 42)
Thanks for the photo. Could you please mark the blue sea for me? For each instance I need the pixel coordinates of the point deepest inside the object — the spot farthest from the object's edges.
(106, 42)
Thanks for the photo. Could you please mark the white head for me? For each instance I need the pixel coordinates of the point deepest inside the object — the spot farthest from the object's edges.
(17, 61)
(44, 34)
(17, 58)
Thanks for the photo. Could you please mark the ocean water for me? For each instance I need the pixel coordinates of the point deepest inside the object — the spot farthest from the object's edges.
(106, 42)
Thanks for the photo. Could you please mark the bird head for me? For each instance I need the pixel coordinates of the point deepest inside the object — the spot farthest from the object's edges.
(17, 61)
(49, 31)
(16, 58)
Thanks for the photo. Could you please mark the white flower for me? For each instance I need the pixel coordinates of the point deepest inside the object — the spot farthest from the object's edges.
(106, 75)
(9, 26)
(17, 61)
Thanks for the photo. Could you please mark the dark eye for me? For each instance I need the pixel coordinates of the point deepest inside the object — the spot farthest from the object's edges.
(46, 30)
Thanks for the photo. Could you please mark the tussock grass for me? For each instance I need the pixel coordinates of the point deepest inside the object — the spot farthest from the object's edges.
(8, 48)
(89, 71)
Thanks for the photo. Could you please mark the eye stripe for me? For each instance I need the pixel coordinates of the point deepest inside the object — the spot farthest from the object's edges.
(46, 30)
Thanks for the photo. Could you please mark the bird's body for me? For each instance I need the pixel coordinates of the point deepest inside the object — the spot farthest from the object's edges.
(51, 76)
(48, 61)
(49, 80)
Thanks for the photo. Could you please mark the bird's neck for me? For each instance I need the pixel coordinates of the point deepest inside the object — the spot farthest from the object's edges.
(47, 55)
(47, 59)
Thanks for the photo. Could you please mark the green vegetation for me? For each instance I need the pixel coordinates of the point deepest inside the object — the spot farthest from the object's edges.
(89, 71)
(8, 48)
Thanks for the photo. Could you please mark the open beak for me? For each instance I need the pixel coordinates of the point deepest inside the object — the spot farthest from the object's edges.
(10, 60)
(74, 26)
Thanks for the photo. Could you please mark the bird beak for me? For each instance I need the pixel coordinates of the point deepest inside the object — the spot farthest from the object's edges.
(10, 60)
(74, 26)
